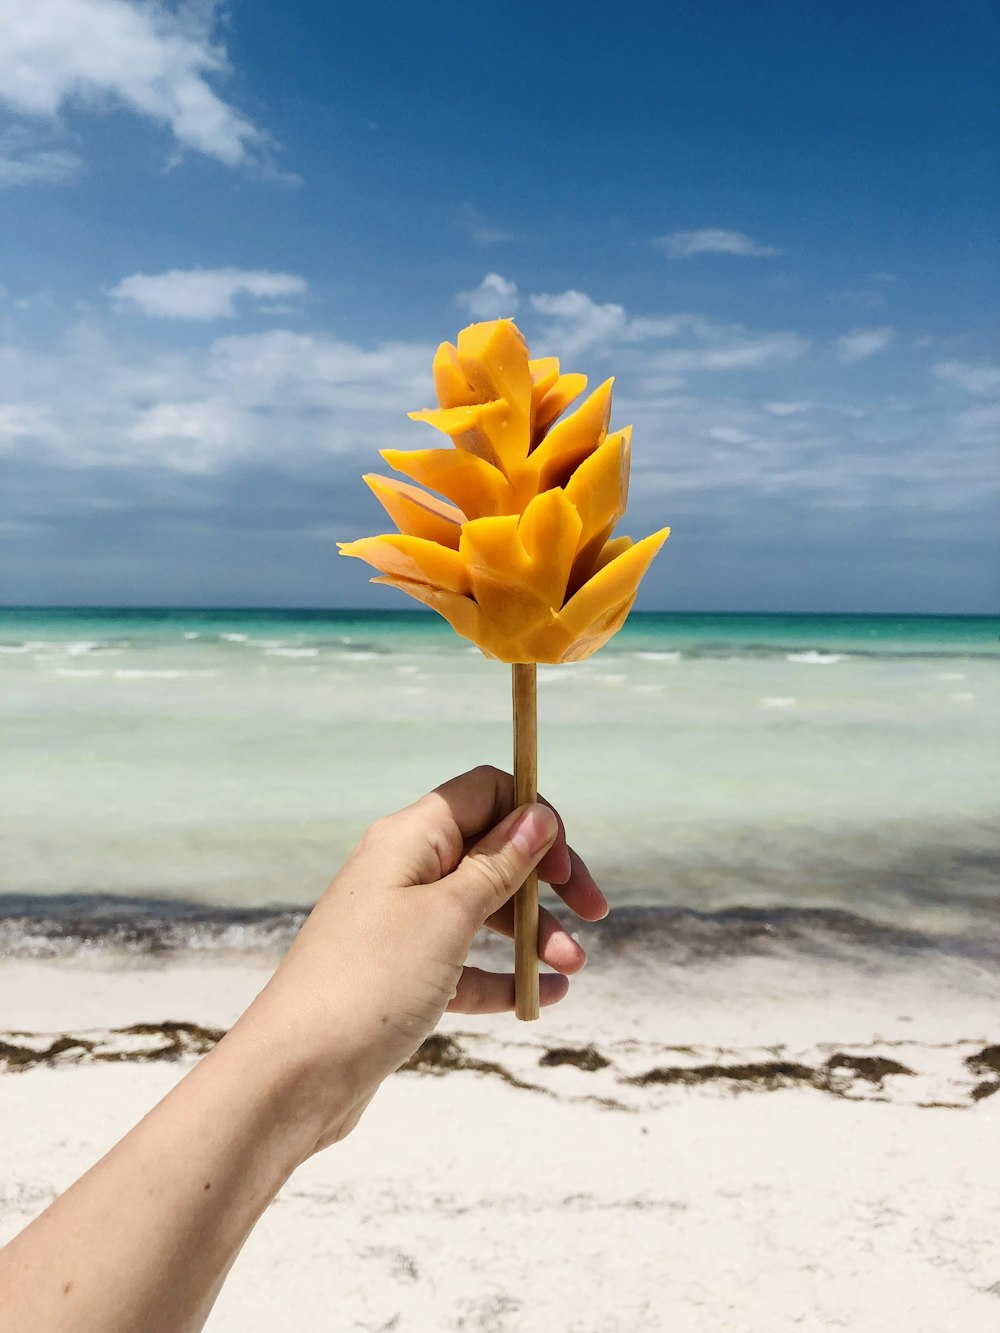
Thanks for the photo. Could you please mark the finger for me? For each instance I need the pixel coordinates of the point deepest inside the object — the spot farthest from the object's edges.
(556, 947)
(480, 992)
(579, 892)
(476, 801)
(496, 867)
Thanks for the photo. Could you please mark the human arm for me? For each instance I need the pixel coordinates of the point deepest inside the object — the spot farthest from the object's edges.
(145, 1239)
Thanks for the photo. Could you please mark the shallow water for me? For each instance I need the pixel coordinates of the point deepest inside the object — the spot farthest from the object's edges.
(706, 763)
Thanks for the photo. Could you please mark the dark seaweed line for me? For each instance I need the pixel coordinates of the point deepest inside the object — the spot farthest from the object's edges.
(840, 1075)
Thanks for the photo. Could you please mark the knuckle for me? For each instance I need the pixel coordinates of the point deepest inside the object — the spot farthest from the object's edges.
(494, 875)
(377, 834)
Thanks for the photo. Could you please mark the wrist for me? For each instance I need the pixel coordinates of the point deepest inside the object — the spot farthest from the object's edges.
(314, 1092)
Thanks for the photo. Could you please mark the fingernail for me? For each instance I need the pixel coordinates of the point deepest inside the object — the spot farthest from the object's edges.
(535, 827)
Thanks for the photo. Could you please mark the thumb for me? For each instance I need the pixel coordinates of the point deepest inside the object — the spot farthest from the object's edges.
(495, 868)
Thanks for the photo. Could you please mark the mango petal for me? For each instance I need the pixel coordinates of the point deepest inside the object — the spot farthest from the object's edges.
(503, 576)
(493, 546)
(598, 490)
(450, 385)
(412, 558)
(549, 531)
(612, 549)
(567, 444)
(416, 513)
(451, 420)
(555, 402)
(487, 430)
(596, 636)
(544, 373)
(494, 359)
(461, 613)
(478, 488)
(601, 596)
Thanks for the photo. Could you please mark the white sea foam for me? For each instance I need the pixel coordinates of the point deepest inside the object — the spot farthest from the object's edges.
(79, 671)
(813, 658)
(407, 669)
(190, 634)
(660, 657)
(612, 678)
(84, 646)
(163, 673)
(235, 638)
(549, 675)
(952, 675)
(360, 656)
(778, 700)
(21, 647)
(291, 652)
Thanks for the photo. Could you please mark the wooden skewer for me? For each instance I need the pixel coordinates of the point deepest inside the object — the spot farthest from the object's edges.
(525, 790)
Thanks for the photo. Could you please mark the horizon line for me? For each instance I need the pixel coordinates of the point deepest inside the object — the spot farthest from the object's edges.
(430, 614)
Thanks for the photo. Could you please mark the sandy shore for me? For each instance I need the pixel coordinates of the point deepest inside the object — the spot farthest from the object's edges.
(749, 1145)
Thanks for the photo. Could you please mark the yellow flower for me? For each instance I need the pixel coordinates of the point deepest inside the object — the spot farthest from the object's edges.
(519, 558)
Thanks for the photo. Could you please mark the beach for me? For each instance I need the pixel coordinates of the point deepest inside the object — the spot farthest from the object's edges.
(769, 1102)
(747, 1146)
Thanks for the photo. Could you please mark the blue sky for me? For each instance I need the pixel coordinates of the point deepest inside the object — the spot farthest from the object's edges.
(233, 235)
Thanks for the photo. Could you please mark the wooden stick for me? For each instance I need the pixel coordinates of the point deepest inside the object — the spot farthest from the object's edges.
(525, 790)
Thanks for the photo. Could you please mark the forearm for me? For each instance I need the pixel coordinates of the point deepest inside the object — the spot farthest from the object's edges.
(144, 1240)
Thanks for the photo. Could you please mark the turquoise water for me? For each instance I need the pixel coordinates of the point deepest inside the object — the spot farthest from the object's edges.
(836, 763)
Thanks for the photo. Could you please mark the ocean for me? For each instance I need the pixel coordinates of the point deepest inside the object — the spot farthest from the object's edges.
(178, 778)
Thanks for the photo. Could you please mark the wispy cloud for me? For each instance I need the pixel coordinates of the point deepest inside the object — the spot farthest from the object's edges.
(980, 378)
(494, 297)
(480, 230)
(279, 396)
(864, 300)
(576, 323)
(713, 241)
(202, 293)
(862, 343)
(159, 62)
(24, 160)
(301, 405)
(779, 409)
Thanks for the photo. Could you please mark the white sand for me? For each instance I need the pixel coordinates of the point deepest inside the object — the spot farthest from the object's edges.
(465, 1203)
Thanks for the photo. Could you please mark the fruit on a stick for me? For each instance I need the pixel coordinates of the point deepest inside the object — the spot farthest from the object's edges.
(519, 556)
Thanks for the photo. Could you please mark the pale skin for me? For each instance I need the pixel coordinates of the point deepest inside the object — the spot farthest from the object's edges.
(144, 1240)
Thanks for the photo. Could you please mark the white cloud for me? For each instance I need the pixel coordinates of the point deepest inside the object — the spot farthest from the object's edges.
(713, 241)
(23, 420)
(977, 378)
(202, 293)
(788, 409)
(729, 435)
(577, 324)
(493, 298)
(145, 415)
(861, 343)
(982, 420)
(97, 399)
(24, 162)
(735, 352)
(158, 62)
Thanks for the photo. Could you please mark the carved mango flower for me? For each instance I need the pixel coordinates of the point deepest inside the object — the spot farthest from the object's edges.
(519, 558)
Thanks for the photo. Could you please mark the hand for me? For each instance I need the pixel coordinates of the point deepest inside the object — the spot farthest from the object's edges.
(383, 953)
